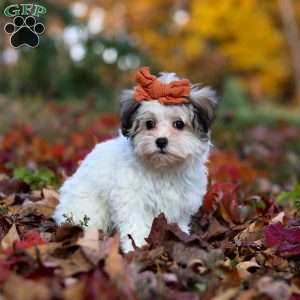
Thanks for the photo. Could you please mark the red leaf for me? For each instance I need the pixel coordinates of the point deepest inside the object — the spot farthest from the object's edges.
(275, 234)
(58, 150)
(218, 192)
(109, 120)
(4, 271)
(179, 295)
(288, 250)
(294, 297)
(30, 239)
(269, 206)
(287, 239)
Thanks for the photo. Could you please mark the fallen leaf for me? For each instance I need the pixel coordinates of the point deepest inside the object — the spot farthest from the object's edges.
(99, 287)
(276, 233)
(186, 256)
(179, 295)
(4, 271)
(10, 238)
(274, 289)
(29, 240)
(118, 270)
(74, 291)
(114, 264)
(279, 218)
(74, 264)
(90, 239)
(67, 233)
(216, 229)
(287, 240)
(12, 186)
(162, 231)
(91, 245)
(45, 207)
(17, 288)
(244, 267)
(5, 225)
(43, 251)
(226, 295)
(252, 233)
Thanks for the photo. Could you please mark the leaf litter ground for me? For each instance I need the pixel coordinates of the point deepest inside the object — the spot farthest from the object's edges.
(245, 240)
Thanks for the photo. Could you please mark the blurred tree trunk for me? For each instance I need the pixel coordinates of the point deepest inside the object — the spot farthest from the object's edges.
(292, 35)
(2, 37)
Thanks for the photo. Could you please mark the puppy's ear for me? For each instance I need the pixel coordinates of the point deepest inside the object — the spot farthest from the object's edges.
(128, 107)
(204, 101)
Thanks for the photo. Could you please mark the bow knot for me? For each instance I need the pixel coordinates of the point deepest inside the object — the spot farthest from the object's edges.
(150, 88)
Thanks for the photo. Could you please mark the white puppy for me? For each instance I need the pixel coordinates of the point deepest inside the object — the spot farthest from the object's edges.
(157, 165)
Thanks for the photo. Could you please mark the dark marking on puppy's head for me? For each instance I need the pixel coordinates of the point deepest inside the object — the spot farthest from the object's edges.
(128, 108)
(204, 102)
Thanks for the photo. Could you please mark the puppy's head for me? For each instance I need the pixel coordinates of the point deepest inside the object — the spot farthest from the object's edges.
(168, 135)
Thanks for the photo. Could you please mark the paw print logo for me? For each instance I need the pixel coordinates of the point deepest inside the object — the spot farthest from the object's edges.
(24, 31)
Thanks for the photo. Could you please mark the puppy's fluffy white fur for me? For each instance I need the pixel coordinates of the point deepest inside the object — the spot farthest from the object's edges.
(127, 181)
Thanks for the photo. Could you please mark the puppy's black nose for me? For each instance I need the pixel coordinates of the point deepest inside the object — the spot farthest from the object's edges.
(161, 142)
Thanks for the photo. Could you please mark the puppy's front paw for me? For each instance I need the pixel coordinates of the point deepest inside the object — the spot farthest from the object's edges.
(184, 227)
(126, 245)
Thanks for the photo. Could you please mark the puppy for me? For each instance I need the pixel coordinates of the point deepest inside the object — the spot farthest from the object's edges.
(157, 164)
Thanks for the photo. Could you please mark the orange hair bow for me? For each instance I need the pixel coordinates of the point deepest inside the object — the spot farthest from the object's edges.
(150, 88)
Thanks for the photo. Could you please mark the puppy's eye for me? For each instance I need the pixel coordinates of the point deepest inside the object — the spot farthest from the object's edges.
(150, 124)
(178, 124)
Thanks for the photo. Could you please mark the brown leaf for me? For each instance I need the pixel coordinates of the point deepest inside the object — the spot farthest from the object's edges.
(74, 264)
(228, 294)
(244, 267)
(162, 231)
(253, 233)
(91, 245)
(295, 285)
(90, 239)
(10, 237)
(49, 193)
(274, 289)
(4, 226)
(67, 232)
(215, 229)
(273, 261)
(247, 295)
(99, 287)
(114, 264)
(118, 270)
(232, 278)
(74, 291)
(184, 255)
(145, 259)
(279, 218)
(17, 288)
(45, 207)
(43, 252)
(9, 200)
(11, 186)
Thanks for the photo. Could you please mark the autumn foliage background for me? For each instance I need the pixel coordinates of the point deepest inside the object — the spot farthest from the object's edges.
(60, 99)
